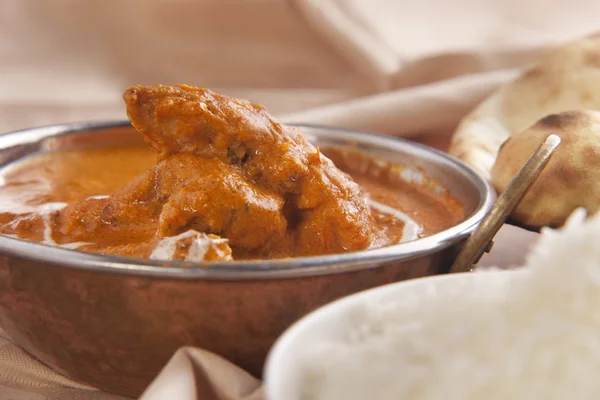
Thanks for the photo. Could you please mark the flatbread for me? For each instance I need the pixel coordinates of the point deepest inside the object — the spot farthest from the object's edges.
(570, 180)
(565, 78)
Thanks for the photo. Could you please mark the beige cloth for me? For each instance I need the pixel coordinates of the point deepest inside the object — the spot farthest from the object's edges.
(394, 66)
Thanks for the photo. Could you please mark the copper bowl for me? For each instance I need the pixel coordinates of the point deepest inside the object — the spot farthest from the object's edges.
(114, 322)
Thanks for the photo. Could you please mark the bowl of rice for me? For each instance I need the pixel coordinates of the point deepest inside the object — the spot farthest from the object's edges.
(530, 333)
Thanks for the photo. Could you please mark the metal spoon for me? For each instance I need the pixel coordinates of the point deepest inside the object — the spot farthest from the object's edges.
(481, 240)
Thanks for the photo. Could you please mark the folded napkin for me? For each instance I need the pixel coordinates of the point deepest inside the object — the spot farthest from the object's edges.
(411, 69)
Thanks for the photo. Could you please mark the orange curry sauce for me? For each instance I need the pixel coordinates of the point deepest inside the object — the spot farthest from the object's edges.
(75, 175)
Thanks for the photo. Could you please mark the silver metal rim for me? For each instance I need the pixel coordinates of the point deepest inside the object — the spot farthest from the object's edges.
(259, 269)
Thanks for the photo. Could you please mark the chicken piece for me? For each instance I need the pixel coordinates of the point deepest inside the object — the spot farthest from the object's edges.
(135, 208)
(326, 212)
(183, 192)
(228, 206)
(184, 119)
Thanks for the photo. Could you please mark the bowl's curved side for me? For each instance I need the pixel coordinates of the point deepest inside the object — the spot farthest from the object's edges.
(116, 332)
(283, 368)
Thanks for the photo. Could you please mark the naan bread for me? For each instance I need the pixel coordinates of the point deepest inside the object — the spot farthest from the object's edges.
(571, 178)
(566, 78)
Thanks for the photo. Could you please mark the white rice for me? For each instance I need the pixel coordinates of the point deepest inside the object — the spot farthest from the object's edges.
(537, 337)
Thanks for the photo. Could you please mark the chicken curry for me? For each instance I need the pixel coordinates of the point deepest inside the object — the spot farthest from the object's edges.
(220, 179)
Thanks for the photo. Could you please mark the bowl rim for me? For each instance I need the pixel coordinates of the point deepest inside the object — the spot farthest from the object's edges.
(251, 269)
(278, 354)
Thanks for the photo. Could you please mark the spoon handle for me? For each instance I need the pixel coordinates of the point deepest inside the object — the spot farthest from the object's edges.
(481, 240)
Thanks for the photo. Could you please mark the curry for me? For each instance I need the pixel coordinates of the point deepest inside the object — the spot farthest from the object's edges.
(220, 179)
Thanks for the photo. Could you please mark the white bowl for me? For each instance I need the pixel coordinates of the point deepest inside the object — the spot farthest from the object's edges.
(283, 371)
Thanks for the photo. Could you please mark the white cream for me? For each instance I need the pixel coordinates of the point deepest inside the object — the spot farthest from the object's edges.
(165, 249)
(47, 229)
(45, 211)
(73, 246)
(411, 176)
(411, 228)
(50, 207)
